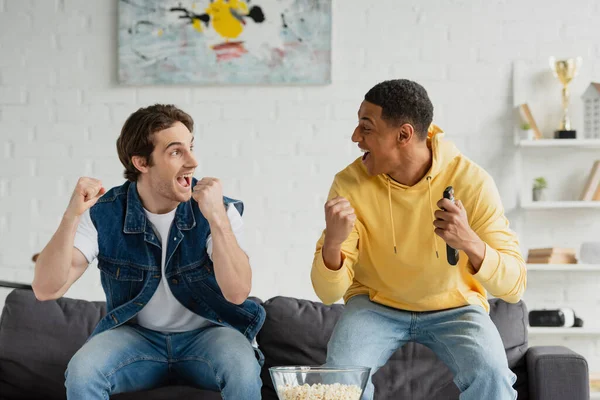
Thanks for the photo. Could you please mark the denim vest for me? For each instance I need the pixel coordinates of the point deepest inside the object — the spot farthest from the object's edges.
(130, 263)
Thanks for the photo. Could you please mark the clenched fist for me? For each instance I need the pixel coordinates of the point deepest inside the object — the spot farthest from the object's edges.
(209, 195)
(339, 218)
(86, 194)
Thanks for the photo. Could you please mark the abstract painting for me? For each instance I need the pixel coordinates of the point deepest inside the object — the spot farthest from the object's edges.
(224, 42)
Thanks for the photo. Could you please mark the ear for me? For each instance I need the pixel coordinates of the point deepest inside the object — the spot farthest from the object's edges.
(140, 163)
(405, 133)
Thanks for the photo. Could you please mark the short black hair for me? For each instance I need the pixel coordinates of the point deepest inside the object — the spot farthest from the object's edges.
(403, 101)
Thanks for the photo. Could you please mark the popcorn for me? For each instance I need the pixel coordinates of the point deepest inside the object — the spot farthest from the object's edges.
(319, 391)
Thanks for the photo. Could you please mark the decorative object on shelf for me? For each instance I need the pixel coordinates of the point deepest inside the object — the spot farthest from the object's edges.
(539, 184)
(591, 111)
(551, 255)
(591, 190)
(527, 118)
(589, 252)
(565, 70)
(595, 382)
(527, 132)
(561, 317)
(224, 42)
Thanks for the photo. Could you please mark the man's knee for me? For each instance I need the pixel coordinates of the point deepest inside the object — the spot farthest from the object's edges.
(240, 373)
(244, 360)
(497, 367)
(83, 370)
(494, 369)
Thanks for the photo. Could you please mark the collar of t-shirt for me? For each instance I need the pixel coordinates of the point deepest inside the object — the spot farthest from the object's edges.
(161, 223)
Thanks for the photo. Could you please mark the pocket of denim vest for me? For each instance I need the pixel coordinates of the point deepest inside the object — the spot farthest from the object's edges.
(121, 272)
(197, 274)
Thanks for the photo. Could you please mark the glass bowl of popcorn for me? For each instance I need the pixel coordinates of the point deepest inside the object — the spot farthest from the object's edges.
(319, 383)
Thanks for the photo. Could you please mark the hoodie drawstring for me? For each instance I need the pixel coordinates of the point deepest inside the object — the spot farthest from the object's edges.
(391, 213)
(389, 185)
(431, 132)
(432, 216)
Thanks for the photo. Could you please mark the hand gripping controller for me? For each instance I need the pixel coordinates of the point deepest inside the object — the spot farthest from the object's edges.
(451, 254)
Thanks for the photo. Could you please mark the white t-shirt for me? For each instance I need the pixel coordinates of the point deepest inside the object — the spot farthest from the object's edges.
(163, 312)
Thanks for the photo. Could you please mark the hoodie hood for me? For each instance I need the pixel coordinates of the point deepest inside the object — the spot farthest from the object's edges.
(443, 153)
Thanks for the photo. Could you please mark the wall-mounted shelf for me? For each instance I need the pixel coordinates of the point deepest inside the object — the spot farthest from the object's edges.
(561, 143)
(542, 331)
(553, 205)
(564, 267)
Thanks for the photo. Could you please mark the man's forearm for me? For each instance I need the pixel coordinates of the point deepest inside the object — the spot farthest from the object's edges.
(53, 263)
(475, 251)
(332, 255)
(502, 273)
(231, 264)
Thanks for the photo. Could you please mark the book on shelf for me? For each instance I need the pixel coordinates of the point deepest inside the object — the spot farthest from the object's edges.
(552, 260)
(527, 116)
(591, 190)
(595, 382)
(551, 250)
(551, 255)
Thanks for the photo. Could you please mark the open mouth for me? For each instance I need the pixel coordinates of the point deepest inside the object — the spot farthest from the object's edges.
(365, 154)
(185, 180)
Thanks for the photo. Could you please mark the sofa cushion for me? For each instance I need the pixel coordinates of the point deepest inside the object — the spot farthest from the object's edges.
(511, 321)
(37, 340)
(296, 332)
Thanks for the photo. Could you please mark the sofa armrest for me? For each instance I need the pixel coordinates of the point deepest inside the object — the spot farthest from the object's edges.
(14, 285)
(557, 373)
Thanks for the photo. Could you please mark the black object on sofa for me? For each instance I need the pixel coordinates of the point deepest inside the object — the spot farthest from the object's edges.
(37, 339)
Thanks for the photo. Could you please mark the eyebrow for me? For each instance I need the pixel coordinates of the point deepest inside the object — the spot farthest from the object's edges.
(178, 144)
(367, 119)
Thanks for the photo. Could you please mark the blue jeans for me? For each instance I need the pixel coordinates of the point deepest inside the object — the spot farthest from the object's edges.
(130, 358)
(464, 338)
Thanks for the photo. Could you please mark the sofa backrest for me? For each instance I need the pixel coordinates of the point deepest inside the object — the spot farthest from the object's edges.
(296, 332)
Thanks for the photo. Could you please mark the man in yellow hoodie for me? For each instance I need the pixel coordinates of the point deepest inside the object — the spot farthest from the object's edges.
(384, 248)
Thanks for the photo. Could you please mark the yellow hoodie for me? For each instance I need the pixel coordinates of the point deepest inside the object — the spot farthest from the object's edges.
(417, 277)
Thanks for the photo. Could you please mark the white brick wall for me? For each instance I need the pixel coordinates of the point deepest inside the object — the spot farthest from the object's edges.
(277, 148)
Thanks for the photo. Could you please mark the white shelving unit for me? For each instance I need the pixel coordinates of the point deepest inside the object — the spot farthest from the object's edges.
(523, 147)
(564, 267)
(541, 331)
(563, 162)
(564, 143)
(553, 205)
(555, 149)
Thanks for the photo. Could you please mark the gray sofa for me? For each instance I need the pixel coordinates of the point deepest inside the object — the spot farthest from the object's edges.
(37, 339)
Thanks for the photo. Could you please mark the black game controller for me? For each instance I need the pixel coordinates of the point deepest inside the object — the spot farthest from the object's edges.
(451, 254)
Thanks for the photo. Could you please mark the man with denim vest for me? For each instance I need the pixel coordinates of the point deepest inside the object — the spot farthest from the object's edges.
(173, 268)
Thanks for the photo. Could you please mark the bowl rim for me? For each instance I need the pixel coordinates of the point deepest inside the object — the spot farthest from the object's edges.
(319, 368)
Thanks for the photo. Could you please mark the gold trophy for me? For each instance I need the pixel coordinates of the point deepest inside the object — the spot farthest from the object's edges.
(565, 71)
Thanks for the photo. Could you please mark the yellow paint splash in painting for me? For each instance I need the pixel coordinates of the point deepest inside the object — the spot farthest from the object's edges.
(197, 24)
(224, 21)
